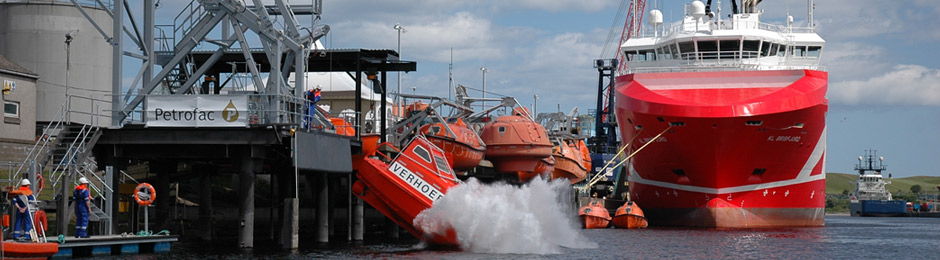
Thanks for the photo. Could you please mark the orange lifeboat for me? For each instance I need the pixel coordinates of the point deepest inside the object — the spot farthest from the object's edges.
(415, 107)
(594, 215)
(515, 143)
(343, 127)
(543, 168)
(568, 162)
(585, 154)
(463, 148)
(630, 216)
(17, 250)
(402, 187)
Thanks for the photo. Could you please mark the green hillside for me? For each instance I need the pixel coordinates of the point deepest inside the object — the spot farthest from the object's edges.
(837, 182)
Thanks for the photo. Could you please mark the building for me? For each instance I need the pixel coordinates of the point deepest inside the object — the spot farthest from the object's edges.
(18, 128)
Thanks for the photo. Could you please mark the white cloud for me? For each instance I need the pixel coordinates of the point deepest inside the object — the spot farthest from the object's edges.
(902, 85)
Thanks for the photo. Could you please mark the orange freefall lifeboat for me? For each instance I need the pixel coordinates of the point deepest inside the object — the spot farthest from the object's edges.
(402, 187)
(630, 216)
(515, 143)
(543, 168)
(594, 215)
(462, 146)
(569, 163)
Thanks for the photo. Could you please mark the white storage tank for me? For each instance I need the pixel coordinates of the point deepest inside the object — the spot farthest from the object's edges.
(32, 34)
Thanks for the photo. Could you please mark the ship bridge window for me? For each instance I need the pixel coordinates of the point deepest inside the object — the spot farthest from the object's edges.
(751, 49)
(686, 49)
(631, 55)
(765, 49)
(813, 51)
(423, 153)
(773, 49)
(708, 49)
(645, 55)
(674, 51)
(729, 48)
(781, 50)
(797, 51)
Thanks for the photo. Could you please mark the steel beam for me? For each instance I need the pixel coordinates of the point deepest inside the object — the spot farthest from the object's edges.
(117, 65)
(246, 201)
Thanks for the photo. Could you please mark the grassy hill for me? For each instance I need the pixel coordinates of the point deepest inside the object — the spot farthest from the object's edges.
(837, 182)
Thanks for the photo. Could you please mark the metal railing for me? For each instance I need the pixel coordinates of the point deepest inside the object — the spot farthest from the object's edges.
(51, 129)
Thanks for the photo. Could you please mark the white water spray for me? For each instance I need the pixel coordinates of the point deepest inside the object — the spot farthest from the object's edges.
(535, 218)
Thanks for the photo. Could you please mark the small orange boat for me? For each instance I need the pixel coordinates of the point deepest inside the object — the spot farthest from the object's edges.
(568, 161)
(630, 216)
(402, 187)
(343, 127)
(27, 250)
(543, 168)
(594, 215)
(515, 143)
(585, 154)
(462, 146)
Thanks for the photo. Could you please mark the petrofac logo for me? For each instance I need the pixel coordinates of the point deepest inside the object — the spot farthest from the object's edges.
(230, 113)
(196, 111)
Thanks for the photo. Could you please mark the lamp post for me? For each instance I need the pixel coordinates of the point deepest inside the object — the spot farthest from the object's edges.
(535, 106)
(398, 100)
(484, 88)
(68, 65)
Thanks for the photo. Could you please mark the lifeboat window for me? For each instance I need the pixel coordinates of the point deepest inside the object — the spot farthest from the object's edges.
(441, 164)
(751, 49)
(754, 122)
(813, 51)
(452, 120)
(423, 153)
(501, 129)
(765, 49)
(686, 49)
(679, 172)
(729, 48)
(434, 130)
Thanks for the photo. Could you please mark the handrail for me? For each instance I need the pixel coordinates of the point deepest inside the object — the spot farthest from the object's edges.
(44, 139)
(624, 160)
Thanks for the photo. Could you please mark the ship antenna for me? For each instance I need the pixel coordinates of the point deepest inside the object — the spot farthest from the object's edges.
(810, 6)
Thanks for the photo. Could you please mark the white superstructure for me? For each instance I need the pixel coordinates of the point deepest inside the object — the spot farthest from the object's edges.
(703, 42)
(871, 183)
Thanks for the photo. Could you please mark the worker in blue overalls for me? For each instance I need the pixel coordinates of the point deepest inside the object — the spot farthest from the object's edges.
(313, 96)
(23, 223)
(82, 205)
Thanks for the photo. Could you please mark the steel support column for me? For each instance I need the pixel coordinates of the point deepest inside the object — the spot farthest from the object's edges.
(117, 65)
(246, 201)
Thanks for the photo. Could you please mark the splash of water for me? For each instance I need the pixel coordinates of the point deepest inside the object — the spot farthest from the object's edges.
(535, 218)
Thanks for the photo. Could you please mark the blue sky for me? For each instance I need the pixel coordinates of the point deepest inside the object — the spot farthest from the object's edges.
(882, 57)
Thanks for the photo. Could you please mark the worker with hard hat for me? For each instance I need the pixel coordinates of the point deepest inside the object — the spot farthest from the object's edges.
(82, 206)
(23, 224)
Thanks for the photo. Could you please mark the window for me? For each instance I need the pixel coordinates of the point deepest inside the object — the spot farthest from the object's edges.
(765, 49)
(708, 49)
(441, 164)
(631, 55)
(781, 50)
(501, 129)
(751, 48)
(434, 130)
(423, 153)
(797, 51)
(814, 51)
(674, 51)
(687, 48)
(11, 109)
(729, 48)
(773, 49)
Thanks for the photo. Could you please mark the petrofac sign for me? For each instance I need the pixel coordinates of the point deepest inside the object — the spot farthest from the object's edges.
(197, 111)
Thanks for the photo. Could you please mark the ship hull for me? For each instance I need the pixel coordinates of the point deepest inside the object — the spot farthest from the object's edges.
(738, 149)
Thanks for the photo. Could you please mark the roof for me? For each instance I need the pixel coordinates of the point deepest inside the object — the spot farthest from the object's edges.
(8, 66)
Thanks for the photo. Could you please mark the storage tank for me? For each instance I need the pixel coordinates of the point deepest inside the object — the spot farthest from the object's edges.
(32, 34)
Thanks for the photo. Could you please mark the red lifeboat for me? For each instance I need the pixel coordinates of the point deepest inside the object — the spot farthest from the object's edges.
(630, 216)
(594, 215)
(585, 154)
(568, 162)
(27, 250)
(462, 147)
(402, 187)
(515, 143)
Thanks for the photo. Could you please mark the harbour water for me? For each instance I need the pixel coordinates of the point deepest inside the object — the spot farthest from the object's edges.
(843, 237)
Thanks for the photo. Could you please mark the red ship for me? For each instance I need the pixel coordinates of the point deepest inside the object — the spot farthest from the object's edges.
(743, 106)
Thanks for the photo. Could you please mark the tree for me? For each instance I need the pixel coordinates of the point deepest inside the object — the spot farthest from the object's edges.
(916, 189)
(845, 192)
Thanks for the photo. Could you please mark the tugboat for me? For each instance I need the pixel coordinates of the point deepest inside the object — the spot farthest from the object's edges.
(871, 198)
(402, 187)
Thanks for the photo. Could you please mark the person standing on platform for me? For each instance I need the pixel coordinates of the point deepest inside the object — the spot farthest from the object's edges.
(23, 223)
(82, 206)
(313, 96)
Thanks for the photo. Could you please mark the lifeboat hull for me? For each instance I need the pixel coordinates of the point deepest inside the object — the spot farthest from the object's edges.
(630, 216)
(568, 168)
(594, 216)
(404, 188)
(38, 251)
(463, 149)
(544, 168)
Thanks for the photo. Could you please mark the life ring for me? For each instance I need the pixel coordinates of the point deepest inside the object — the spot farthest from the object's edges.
(40, 218)
(146, 200)
(40, 182)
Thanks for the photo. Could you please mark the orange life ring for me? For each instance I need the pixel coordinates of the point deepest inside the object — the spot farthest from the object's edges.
(40, 218)
(40, 182)
(153, 194)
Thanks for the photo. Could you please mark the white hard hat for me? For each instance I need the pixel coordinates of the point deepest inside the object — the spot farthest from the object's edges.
(25, 182)
(82, 180)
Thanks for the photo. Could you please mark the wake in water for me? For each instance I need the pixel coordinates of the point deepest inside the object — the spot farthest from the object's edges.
(535, 218)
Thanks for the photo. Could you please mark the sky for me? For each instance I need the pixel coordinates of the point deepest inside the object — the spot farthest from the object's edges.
(882, 59)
